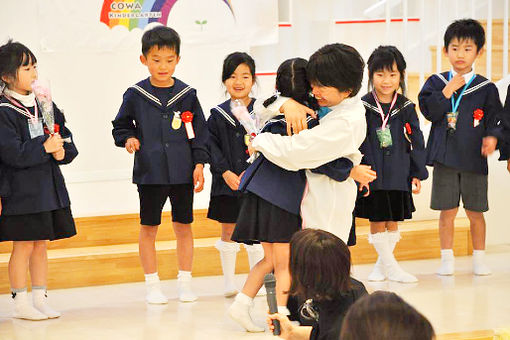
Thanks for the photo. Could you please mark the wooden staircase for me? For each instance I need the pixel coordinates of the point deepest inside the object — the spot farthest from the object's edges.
(105, 251)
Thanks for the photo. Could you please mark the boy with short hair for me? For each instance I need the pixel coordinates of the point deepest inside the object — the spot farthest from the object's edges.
(161, 121)
(464, 108)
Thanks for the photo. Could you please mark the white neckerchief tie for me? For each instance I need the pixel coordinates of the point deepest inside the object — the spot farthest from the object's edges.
(26, 100)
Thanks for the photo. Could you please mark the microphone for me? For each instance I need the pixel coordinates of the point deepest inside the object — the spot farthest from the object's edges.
(270, 284)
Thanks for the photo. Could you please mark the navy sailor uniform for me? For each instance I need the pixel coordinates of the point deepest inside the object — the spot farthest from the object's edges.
(390, 198)
(460, 150)
(505, 120)
(166, 155)
(228, 152)
(270, 209)
(36, 204)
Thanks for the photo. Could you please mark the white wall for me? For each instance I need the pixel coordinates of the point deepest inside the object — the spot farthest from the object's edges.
(88, 85)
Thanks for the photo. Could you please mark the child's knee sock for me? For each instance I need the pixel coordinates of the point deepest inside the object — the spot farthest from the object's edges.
(447, 262)
(378, 272)
(23, 309)
(184, 282)
(228, 253)
(154, 293)
(255, 255)
(393, 270)
(479, 266)
(40, 300)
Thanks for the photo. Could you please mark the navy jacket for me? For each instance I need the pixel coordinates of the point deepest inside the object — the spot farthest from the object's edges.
(404, 160)
(462, 149)
(227, 148)
(35, 181)
(166, 156)
(285, 188)
(4, 183)
(505, 120)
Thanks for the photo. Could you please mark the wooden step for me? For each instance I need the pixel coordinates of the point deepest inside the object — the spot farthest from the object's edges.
(118, 263)
(474, 335)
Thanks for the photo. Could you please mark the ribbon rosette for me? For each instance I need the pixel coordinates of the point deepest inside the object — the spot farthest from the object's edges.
(477, 117)
(187, 119)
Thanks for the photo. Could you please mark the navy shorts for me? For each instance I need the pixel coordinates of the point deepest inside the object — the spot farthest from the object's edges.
(153, 198)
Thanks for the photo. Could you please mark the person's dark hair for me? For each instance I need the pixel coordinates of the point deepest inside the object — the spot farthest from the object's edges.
(233, 60)
(465, 29)
(382, 59)
(384, 316)
(320, 265)
(292, 81)
(14, 55)
(161, 36)
(337, 65)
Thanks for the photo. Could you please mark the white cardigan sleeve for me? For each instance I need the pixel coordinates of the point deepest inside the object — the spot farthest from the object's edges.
(309, 149)
(266, 113)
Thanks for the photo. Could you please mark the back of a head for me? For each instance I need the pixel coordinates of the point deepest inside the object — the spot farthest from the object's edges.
(320, 265)
(385, 316)
(337, 65)
(161, 36)
(292, 82)
(465, 29)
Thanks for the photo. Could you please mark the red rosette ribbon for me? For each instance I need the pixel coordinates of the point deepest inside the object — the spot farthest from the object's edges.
(187, 119)
(408, 129)
(477, 117)
(56, 128)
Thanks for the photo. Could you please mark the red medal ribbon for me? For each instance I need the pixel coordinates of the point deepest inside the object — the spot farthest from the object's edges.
(408, 129)
(187, 118)
(478, 114)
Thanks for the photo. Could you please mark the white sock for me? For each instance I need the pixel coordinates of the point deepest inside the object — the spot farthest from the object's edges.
(228, 253)
(479, 266)
(255, 255)
(23, 309)
(447, 262)
(393, 270)
(378, 272)
(154, 293)
(184, 282)
(40, 300)
(239, 311)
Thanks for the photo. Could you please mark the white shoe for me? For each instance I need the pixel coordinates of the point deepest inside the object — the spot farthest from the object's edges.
(155, 296)
(447, 266)
(185, 292)
(397, 274)
(230, 290)
(377, 274)
(240, 313)
(24, 310)
(479, 266)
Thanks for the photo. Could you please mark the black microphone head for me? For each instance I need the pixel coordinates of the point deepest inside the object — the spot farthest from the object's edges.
(269, 281)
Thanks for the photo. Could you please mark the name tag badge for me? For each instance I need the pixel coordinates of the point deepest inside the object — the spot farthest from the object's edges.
(451, 117)
(35, 127)
(176, 121)
(384, 137)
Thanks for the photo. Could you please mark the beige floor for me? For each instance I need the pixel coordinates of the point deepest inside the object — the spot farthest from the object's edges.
(453, 304)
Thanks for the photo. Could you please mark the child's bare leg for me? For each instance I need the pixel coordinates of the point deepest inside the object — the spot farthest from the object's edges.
(184, 236)
(446, 228)
(226, 231)
(38, 275)
(391, 226)
(148, 258)
(147, 248)
(377, 227)
(18, 268)
(478, 228)
(281, 255)
(239, 311)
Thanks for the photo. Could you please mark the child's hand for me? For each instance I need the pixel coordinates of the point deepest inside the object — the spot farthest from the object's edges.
(232, 180)
(251, 149)
(132, 145)
(489, 144)
(286, 327)
(60, 154)
(198, 177)
(295, 115)
(364, 186)
(53, 144)
(453, 85)
(417, 184)
(363, 174)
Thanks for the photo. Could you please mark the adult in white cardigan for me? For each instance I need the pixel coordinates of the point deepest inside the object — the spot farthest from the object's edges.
(335, 72)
